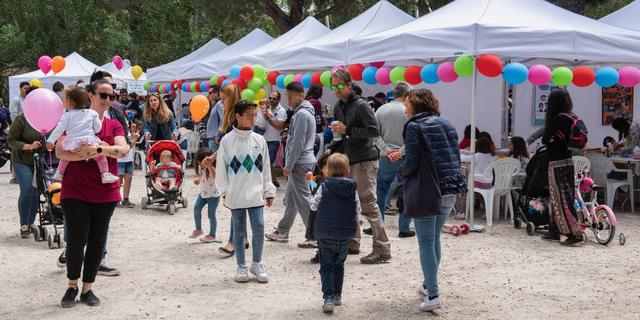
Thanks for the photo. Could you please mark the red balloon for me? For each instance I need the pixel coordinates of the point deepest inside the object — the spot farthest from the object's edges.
(315, 79)
(240, 82)
(583, 76)
(246, 73)
(221, 79)
(355, 70)
(271, 76)
(412, 74)
(179, 84)
(489, 65)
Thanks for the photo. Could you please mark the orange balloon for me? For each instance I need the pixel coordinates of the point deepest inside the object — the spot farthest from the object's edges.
(57, 64)
(199, 107)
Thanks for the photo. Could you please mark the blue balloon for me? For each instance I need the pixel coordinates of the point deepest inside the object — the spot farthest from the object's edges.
(515, 73)
(369, 75)
(280, 81)
(226, 82)
(607, 77)
(429, 74)
(235, 72)
(306, 80)
(185, 86)
(203, 86)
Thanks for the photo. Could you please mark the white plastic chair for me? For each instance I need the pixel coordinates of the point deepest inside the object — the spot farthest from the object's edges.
(581, 164)
(503, 172)
(600, 167)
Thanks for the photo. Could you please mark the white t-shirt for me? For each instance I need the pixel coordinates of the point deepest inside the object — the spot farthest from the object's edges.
(482, 162)
(129, 156)
(208, 188)
(277, 114)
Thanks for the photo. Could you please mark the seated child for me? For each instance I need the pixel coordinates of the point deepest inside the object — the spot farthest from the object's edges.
(485, 155)
(166, 177)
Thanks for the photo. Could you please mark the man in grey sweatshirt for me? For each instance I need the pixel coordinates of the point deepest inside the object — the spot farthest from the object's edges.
(299, 159)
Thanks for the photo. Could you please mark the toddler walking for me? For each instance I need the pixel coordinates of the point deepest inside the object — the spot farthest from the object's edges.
(208, 196)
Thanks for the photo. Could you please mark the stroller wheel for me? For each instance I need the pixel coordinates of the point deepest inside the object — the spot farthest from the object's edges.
(517, 223)
(184, 203)
(531, 228)
(143, 203)
(50, 241)
(45, 233)
(36, 234)
(57, 240)
(171, 207)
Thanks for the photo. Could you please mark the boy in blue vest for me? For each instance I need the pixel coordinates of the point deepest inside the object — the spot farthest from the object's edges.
(337, 205)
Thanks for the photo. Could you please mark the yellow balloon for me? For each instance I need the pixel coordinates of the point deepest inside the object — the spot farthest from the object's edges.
(261, 94)
(35, 83)
(136, 72)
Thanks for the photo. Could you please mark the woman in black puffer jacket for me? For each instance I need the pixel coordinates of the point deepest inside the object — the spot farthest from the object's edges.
(432, 178)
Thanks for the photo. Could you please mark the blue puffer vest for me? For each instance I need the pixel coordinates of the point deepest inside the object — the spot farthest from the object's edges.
(336, 218)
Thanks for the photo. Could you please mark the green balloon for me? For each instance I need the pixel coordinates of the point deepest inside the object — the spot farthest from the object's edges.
(397, 74)
(561, 76)
(213, 80)
(259, 71)
(146, 85)
(463, 66)
(254, 84)
(161, 89)
(193, 86)
(325, 78)
(248, 94)
(288, 79)
(265, 82)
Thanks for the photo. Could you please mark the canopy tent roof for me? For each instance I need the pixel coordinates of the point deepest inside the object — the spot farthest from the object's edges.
(627, 17)
(207, 66)
(331, 49)
(523, 29)
(169, 71)
(307, 31)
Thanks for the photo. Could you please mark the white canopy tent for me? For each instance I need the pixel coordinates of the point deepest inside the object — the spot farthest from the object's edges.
(169, 71)
(207, 66)
(627, 17)
(124, 79)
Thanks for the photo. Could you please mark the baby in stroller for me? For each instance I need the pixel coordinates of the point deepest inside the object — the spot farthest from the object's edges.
(166, 172)
(165, 176)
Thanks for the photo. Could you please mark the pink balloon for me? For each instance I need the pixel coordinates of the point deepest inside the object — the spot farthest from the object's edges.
(118, 62)
(539, 74)
(383, 75)
(44, 63)
(43, 109)
(334, 69)
(377, 64)
(629, 76)
(446, 72)
(298, 78)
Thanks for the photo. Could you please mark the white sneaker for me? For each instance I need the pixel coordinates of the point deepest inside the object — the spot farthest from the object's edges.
(422, 290)
(260, 272)
(57, 176)
(108, 177)
(242, 275)
(430, 305)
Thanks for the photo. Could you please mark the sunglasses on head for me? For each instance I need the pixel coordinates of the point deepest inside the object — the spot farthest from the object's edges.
(337, 86)
(104, 96)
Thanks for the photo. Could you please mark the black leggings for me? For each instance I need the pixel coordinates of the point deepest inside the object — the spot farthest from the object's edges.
(87, 224)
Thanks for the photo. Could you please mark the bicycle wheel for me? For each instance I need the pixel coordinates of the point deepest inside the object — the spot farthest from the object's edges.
(603, 231)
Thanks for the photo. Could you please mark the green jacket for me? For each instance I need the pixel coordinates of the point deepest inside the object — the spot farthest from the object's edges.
(22, 133)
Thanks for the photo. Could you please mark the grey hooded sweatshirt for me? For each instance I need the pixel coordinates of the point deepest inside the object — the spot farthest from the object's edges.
(302, 134)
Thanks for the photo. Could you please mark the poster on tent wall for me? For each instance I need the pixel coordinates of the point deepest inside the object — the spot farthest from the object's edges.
(136, 86)
(617, 102)
(540, 104)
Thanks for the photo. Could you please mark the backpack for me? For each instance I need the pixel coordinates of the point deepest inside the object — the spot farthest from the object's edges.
(579, 132)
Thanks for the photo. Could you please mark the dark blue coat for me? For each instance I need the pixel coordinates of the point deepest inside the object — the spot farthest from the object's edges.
(432, 164)
(336, 217)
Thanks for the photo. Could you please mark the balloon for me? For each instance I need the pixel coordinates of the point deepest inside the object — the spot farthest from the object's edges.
(463, 66)
(539, 74)
(127, 64)
(146, 85)
(43, 109)
(369, 75)
(226, 82)
(325, 78)
(629, 76)
(383, 75)
(221, 80)
(272, 76)
(136, 72)
(259, 71)
(261, 94)
(412, 75)
(254, 84)
(315, 79)
(355, 70)
(199, 106)
(288, 79)
(193, 87)
(377, 64)
(561, 76)
(429, 74)
(515, 73)
(44, 63)
(246, 73)
(117, 61)
(205, 86)
(248, 94)
(213, 80)
(160, 89)
(298, 78)
(35, 83)
(336, 68)
(583, 76)
(185, 87)
(607, 77)
(489, 65)
(280, 81)
(57, 64)
(240, 83)
(397, 74)
(446, 72)
(235, 72)
(306, 80)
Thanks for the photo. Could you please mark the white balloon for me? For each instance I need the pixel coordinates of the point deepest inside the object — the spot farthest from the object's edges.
(127, 64)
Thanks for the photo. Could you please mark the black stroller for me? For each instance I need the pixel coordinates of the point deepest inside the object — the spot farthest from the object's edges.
(49, 208)
(532, 208)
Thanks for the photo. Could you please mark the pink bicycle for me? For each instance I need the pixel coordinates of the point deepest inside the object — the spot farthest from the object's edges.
(599, 218)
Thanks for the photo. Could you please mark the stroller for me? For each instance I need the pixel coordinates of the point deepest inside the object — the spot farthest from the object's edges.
(164, 196)
(532, 208)
(49, 208)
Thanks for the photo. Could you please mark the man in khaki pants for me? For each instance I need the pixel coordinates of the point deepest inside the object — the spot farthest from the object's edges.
(355, 129)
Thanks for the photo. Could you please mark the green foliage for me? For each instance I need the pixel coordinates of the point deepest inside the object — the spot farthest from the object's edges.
(602, 8)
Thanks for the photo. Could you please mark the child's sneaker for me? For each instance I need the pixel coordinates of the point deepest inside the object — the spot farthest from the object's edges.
(196, 233)
(422, 290)
(209, 239)
(430, 304)
(242, 275)
(260, 272)
(57, 176)
(108, 177)
(329, 303)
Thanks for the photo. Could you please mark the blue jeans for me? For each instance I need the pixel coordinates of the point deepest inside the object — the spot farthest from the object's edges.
(29, 197)
(273, 150)
(428, 232)
(332, 254)
(387, 178)
(212, 144)
(212, 205)
(256, 217)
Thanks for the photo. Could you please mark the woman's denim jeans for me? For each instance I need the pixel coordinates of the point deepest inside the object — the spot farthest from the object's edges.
(28, 199)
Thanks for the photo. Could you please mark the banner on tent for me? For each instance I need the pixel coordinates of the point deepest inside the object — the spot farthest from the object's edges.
(617, 102)
(540, 102)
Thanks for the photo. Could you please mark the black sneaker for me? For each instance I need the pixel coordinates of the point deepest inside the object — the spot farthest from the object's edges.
(25, 232)
(107, 270)
(89, 298)
(368, 231)
(551, 236)
(127, 204)
(62, 259)
(354, 251)
(407, 234)
(69, 299)
(315, 259)
(570, 241)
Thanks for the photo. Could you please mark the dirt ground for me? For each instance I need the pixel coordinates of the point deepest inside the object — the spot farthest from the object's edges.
(500, 274)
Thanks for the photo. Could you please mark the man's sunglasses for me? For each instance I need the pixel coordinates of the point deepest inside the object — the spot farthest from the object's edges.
(104, 96)
(337, 86)
(273, 99)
